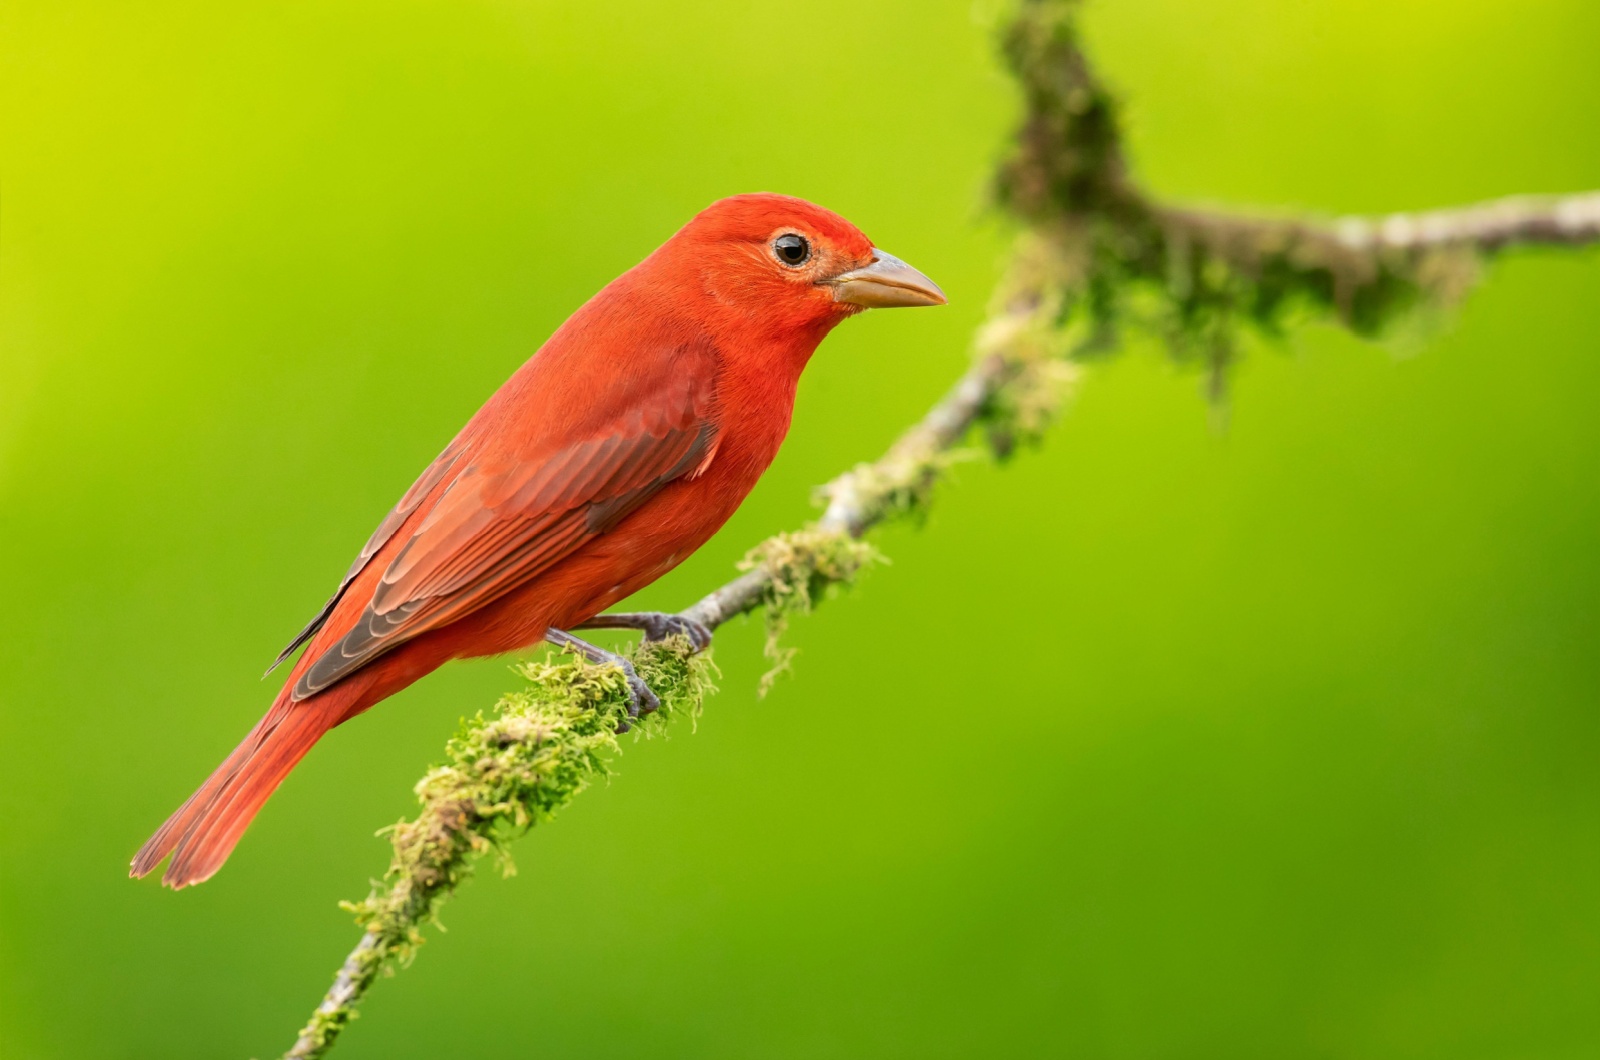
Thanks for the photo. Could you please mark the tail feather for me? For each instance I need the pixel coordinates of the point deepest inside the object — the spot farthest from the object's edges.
(204, 830)
(167, 837)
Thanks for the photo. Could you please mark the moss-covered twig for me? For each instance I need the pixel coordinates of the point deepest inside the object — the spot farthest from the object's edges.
(1116, 255)
(543, 745)
(1095, 252)
(503, 774)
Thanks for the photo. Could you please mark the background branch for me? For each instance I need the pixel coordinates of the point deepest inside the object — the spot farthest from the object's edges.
(1489, 226)
(1112, 255)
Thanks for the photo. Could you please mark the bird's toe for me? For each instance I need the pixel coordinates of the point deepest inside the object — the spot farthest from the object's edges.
(641, 700)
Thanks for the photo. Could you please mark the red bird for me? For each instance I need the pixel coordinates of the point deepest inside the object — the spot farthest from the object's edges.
(618, 449)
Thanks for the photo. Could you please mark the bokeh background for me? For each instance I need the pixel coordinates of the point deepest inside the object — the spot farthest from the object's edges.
(1164, 741)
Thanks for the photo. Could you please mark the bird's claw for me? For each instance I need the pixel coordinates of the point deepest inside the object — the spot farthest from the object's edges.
(661, 626)
(656, 626)
(640, 699)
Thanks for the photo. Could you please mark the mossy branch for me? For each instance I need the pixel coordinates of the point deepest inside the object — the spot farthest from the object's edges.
(1115, 255)
(1095, 252)
(542, 746)
(503, 774)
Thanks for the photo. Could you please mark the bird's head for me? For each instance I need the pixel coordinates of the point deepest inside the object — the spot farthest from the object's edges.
(792, 264)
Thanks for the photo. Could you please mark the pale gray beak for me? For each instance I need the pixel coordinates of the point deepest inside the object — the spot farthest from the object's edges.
(886, 283)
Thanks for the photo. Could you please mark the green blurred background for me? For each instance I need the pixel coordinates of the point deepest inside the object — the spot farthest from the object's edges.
(1164, 741)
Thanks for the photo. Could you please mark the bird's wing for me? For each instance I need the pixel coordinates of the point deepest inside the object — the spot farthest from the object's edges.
(507, 513)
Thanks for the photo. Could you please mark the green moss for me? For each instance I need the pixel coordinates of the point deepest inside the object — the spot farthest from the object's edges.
(801, 566)
(1036, 348)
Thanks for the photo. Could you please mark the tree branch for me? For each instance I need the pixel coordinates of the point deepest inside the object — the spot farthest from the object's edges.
(1114, 255)
(1094, 252)
(544, 745)
(1570, 220)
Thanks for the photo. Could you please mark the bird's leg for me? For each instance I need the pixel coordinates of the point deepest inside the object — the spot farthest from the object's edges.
(656, 625)
(640, 699)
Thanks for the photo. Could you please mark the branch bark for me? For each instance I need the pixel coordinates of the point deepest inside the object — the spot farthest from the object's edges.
(1526, 220)
(349, 986)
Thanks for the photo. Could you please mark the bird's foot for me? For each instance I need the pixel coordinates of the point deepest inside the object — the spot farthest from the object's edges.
(656, 626)
(640, 699)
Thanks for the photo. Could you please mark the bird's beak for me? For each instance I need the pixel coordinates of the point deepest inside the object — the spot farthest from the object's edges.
(887, 282)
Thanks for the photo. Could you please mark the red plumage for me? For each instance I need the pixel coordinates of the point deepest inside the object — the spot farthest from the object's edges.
(618, 449)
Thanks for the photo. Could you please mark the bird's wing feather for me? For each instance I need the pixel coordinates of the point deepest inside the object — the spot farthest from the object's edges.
(506, 515)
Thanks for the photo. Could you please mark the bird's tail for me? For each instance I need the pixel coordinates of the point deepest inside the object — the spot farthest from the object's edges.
(203, 831)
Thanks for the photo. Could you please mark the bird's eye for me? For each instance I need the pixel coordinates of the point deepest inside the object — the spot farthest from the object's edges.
(791, 249)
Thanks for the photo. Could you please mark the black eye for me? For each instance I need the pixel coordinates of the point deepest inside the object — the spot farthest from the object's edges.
(791, 249)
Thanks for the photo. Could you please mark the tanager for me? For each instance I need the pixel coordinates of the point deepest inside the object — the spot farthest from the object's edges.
(613, 453)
